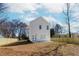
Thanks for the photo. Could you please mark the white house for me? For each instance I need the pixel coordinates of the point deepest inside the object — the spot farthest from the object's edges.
(39, 30)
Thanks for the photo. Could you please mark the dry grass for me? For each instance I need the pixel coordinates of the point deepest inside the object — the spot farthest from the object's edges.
(67, 40)
(4, 41)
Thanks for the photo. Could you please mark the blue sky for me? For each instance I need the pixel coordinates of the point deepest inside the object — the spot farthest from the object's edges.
(29, 11)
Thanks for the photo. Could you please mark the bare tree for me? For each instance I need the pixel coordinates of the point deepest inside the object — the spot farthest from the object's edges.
(11, 28)
(58, 29)
(67, 13)
(3, 8)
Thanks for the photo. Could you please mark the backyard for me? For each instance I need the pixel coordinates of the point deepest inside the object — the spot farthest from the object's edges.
(53, 48)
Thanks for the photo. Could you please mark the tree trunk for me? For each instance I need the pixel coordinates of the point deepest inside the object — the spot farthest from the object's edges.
(68, 18)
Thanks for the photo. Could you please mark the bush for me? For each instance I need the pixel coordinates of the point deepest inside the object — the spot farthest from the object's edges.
(24, 37)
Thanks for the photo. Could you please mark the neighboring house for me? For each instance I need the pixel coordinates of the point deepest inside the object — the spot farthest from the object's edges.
(39, 30)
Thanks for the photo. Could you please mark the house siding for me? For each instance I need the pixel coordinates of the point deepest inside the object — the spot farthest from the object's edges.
(42, 34)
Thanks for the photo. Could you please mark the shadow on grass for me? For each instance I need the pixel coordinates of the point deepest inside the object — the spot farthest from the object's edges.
(17, 43)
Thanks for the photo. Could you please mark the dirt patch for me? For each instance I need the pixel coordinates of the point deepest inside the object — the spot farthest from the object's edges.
(41, 49)
(69, 50)
(30, 49)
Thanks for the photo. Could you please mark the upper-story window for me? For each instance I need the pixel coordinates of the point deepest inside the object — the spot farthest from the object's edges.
(40, 27)
(47, 27)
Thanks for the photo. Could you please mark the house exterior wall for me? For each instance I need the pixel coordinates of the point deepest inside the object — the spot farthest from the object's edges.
(36, 34)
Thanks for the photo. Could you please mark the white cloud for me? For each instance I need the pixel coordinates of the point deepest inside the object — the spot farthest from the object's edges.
(53, 21)
(56, 8)
(27, 18)
(74, 26)
(20, 7)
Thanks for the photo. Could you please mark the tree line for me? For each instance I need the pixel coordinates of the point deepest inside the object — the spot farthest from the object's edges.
(11, 28)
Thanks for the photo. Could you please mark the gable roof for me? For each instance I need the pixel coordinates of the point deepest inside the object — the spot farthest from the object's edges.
(40, 18)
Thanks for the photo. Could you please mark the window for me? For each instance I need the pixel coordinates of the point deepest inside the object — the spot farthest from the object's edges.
(47, 27)
(42, 36)
(34, 37)
(40, 27)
